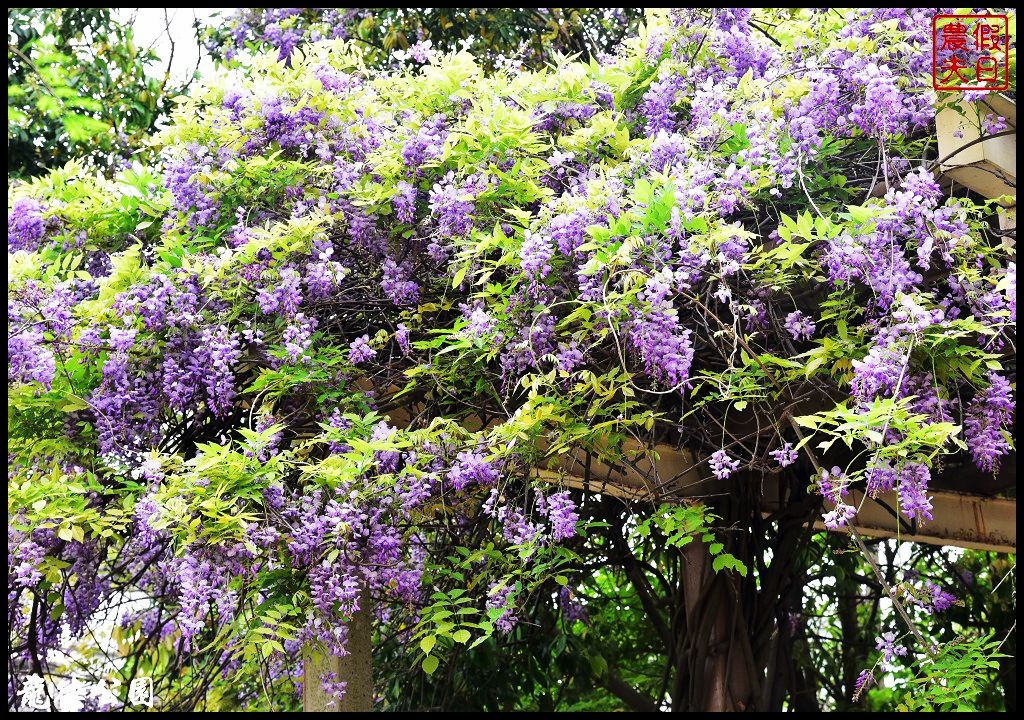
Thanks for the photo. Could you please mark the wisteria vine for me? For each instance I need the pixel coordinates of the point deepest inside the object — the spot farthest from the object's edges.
(315, 358)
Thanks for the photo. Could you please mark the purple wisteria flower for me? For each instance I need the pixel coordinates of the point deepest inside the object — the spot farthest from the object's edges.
(286, 297)
(569, 357)
(666, 349)
(722, 465)
(568, 231)
(833, 485)
(397, 285)
(421, 51)
(938, 598)
(890, 650)
(864, 680)
(471, 467)
(912, 489)
(785, 455)
(359, 351)
(839, 516)
(193, 196)
(28, 359)
(666, 149)
(800, 326)
(499, 598)
(25, 225)
(572, 608)
(657, 104)
(297, 336)
(560, 511)
(452, 207)
(880, 478)
(986, 416)
(879, 372)
(426, 144)
(222, 352)
(535, 256)
(402, 338)
(404, 201)
(341, 424)
(479, 322)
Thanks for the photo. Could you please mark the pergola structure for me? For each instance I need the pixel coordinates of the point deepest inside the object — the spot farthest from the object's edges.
(971, 511)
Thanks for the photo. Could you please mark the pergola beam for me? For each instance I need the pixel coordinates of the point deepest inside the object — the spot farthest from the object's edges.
(986, 166)
(669, 475)
(960, 520)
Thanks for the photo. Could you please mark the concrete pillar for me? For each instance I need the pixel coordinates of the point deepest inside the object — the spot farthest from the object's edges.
(989, 166)
(354, 669)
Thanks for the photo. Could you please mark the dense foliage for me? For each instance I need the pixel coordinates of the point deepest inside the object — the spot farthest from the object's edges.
(313, 360)
(78, 86)
(390, 36)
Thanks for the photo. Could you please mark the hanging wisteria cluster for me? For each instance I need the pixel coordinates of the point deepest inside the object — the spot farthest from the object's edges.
(313, 360)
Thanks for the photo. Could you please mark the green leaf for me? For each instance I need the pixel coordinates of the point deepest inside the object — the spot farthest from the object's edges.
(81, 128)
(459, 276)
(725, 561)
(73, 404)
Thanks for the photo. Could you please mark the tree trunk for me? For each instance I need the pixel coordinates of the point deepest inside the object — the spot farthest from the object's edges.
(735, 651)
(355, 669)
(718, 646)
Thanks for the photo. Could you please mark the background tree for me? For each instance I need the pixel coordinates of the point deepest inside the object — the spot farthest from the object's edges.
(79, 86)
(493, 35)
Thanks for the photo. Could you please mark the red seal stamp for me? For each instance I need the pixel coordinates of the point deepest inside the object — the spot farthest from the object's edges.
(970, 52)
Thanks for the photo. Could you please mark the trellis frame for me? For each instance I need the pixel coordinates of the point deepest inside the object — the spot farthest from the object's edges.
(985, 166)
